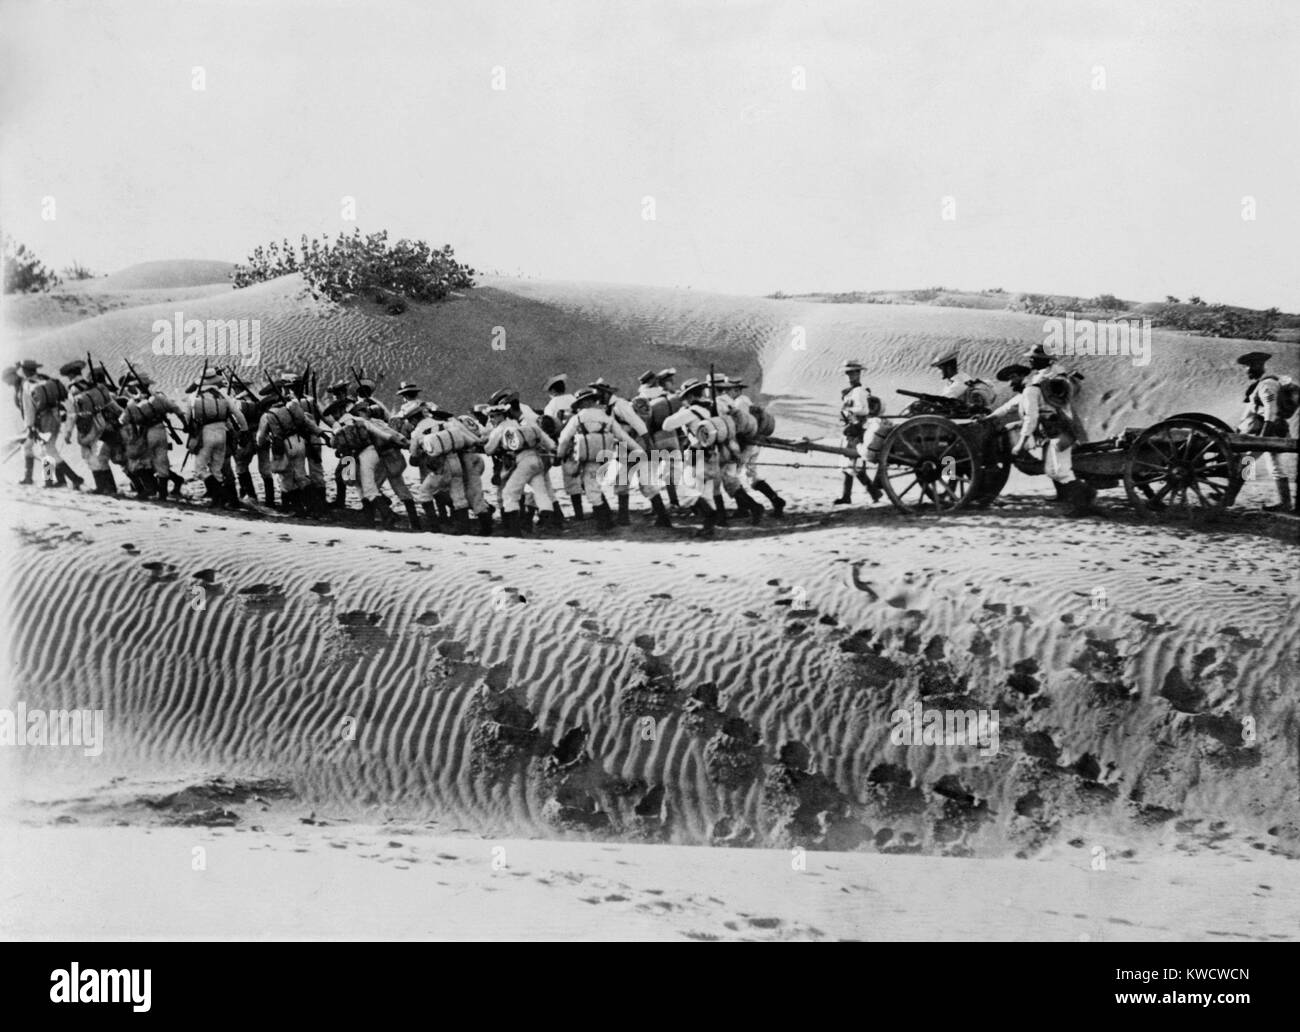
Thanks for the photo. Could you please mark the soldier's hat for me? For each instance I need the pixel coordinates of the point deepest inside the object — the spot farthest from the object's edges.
(481, 408)
(1254, 358)
(1038, 351)
(439, 413)
(853, 366)
(29, 365)
(666, 374)
(585, 395)
(601, 384)
(368, 382)
(1010, 372)
(211, 379)
(505, 396)
(72, 368)
(191, 387)
(558, 380)
(731, 383)
(943, 358)
(361, 408)
(340, 387)
(691, 386)
(142, 380)
(268, 390)
(497, 410)
(648, 377)
(290, 379)
(408, 388)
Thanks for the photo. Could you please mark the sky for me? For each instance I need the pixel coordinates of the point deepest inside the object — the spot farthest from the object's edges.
(1073, 148)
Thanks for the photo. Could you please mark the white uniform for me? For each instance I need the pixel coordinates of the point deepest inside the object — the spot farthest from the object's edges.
(1262, 409)
(529, 469)
(591, 470)
(560, 409)
(855, 404)
(1058, 451)
(632, 463)
(704, 469)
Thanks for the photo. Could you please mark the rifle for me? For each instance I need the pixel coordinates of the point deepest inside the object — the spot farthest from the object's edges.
(94, 376)
(171, 431)
(937, 404)
(713, 391)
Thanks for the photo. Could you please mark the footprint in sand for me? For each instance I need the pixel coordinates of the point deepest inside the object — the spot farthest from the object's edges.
(206, 576)
(161, 572)
(321, 588)
(359, 618)
(427, 619)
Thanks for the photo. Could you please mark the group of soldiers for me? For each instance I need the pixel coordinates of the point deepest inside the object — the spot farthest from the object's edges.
(669, 443)
(1045, 411)
(686, 449)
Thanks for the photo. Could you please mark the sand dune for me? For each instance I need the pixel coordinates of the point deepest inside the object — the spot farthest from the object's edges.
(167, 274)
(789, 350)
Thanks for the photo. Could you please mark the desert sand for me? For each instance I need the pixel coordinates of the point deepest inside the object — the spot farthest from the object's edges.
(643, 700)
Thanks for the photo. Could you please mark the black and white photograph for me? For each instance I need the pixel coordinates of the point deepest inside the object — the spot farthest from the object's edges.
(737, 470)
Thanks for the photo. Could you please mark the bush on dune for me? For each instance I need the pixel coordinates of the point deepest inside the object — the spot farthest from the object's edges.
(357, 266)
(24, 273)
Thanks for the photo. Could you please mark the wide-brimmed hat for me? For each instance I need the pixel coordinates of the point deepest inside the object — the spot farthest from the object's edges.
(648, 377)
(29, 365)
(339, 387)
(505, 396)
(666, 374)
(853, 366)
(943, 358)
(691, 386)
(211, 379)
(1039, 352)
(601, 384)
(1010, 372)
(497, 410)
(584, 396)
(559, 379)
(72, 368)
(408, 388)
(368, 382)
(1254, 358)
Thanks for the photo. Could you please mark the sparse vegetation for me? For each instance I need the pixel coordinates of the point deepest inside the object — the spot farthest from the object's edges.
(77, 271)
(362, 266)
(24, 273)
(1219, 320)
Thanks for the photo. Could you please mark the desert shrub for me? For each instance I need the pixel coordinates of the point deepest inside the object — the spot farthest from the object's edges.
(1107, 303)
(1219, 320)
(24, 273)
(77, 271)
(1045, 304)
(362, 266)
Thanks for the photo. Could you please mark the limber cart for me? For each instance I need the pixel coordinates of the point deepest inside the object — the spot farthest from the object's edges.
(943, 456)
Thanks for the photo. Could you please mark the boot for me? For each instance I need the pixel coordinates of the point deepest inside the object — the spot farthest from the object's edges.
(104, 482)
(551, 523)
(1062, 491)
(212, 486)
(576, 500)
(485, 524)
(148, 483)
(176, 482)
(510, 523)
(708, 516)
(431, 517)
(244, 480)
(268, 491)
(526, 517)
(58, 480)
(340, 493)
(1077, 498)
(846, 496)
(624, 500)
(1283, 497)
(411, 517)
(230, 494)
(672, 496)
(76, 478)
(29, 463)
(604, 518)
(720, 514)
(746, 504)
(873, 489)
(778, 503)
(661, 512)
(385, 510)
(367, 512)
(460, 521)
(559, 513)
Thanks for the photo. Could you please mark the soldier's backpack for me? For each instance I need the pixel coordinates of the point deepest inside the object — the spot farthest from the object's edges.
(48, 394)
(715, 430)
(593, 440)
(351, 438)
(746, 424)
(979, 396)
(519, 438)
(764, 419)
(653, 412)
(209, 407)
(1288, 397)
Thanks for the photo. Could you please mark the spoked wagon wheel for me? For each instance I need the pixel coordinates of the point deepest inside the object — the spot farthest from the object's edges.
(1181, 466)
(927, 463)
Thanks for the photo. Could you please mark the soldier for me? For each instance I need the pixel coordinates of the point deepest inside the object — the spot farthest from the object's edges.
(855, 410)
(631, 462)
(591, 438)
(1014, 375)
(242, 444)
(374, 408)
(42, 407)
(378, 451)
(653, 404)
(956, 385)
(426, 425)
(1266, 414)
(148, 413)
(340, 402)
(209, 413)
(313, 446)
(283, 430)
(94, 416)
(1050, 420)
(748, 446)
(472, 465)
(704, 458)
(559, 409)
(517, 448)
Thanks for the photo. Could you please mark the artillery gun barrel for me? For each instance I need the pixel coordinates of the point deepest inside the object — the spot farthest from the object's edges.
(804, 445)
